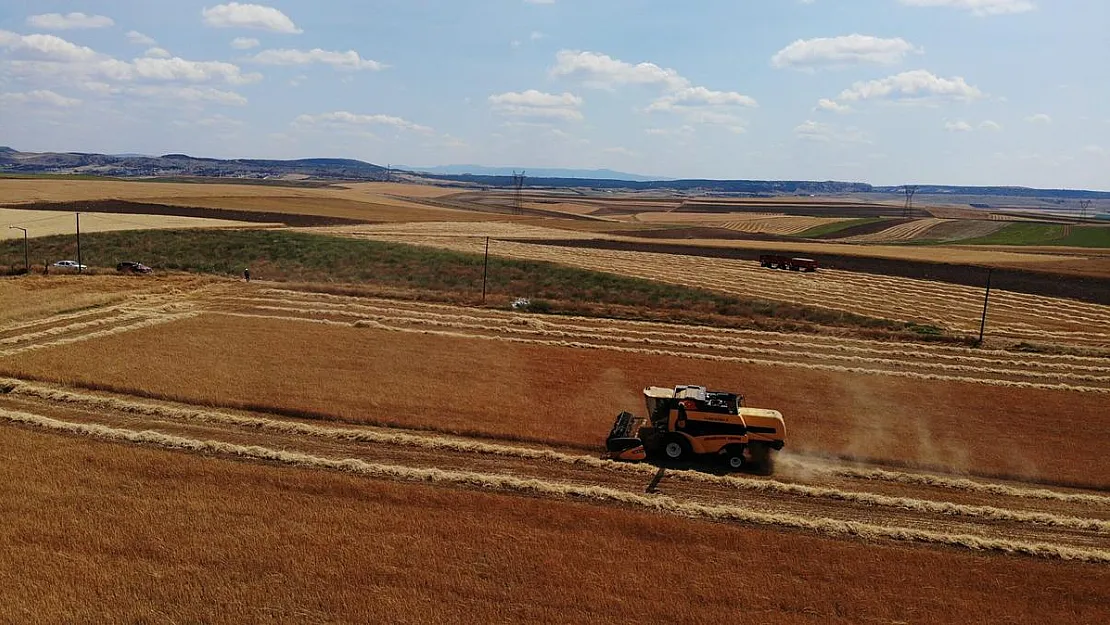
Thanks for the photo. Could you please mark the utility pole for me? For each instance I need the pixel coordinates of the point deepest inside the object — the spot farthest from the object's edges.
(1084, 204)
(485, 271)
(518, 192)
(986, 300)
(26, 256)
(910, 192)
(79, 270)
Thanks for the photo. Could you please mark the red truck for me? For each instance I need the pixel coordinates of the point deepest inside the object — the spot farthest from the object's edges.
(775, 261)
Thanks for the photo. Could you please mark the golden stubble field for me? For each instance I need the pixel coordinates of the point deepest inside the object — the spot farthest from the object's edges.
(367, 201)
(1013, 316)
(397, 455)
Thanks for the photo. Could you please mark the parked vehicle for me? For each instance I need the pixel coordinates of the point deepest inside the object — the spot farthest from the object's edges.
(132, 267)
(775, 261)
(70, 264)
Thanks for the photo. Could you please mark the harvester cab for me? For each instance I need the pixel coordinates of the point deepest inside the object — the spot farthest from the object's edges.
(689, 422)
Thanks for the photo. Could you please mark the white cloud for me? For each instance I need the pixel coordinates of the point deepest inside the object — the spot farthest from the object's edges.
(601, 70)
(45, 48)
(69, 21)
(536, 35)
(55, 61)
(1096, 150)
(177, 68)
(188, 94)
(700, 96)
(39, 97)
(841, 51)
(700, 105)
(341, 60)
(244, 43)
(707, 117)
(990, 125)
(255, 16)
(828, 133)
(825, 104)
(671, 132)
(917, 84)
(138, 38)
(958, 126)
(346, 119)
(978, 7)
(1039, 118)
(538, 105)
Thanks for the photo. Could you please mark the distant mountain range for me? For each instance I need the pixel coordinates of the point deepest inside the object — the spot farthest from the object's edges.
(532, 172)
(170, 165)
(337, 169)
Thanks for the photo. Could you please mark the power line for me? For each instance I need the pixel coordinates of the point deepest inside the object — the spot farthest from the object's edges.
(910, 191)
(518, 192)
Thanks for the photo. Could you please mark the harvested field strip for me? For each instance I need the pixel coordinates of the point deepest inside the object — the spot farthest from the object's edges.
(630, 326)
(652, 328)
(900, 232)
(945, 305)
(71, 328)
(786, 357)
(181, 412)
(141, 323)
(541, 488)
(692, 355)
(940, 481)
(554, 329)
(726, 340)
(47, 323)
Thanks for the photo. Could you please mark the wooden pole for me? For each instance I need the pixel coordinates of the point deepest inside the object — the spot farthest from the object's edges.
(78, 242)
(986, 301)
(485, 271)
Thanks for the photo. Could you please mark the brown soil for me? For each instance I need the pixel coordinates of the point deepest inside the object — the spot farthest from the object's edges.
(141, 208)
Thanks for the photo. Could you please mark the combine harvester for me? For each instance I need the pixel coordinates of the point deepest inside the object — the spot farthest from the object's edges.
(689, 422)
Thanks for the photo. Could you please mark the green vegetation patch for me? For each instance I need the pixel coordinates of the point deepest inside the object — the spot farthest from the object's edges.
(1046, 234)
(302, 257)
(1087, 236)
(832, 228)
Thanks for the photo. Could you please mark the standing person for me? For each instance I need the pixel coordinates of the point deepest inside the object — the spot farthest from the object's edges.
(247, 274)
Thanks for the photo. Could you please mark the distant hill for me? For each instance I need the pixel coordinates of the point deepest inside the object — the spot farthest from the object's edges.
(173, 165)
(335, 169)
(532, 172)
(739, 188)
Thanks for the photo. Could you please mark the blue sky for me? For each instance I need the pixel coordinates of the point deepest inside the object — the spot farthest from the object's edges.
(883, 91)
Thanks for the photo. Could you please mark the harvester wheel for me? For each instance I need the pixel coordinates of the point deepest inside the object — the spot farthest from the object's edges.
(675, 448)
(734, 458)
